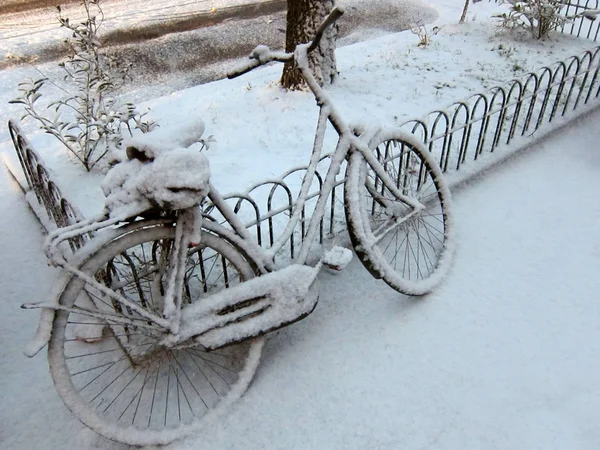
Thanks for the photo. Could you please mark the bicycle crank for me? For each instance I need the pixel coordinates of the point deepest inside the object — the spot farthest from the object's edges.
(249, 309)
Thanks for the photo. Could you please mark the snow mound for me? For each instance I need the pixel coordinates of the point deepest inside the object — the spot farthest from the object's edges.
(164, 169)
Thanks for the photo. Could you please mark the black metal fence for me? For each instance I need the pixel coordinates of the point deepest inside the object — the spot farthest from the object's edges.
(580, 26)
(56, 207)
(461, 133)
(458, 136)
(266, 207)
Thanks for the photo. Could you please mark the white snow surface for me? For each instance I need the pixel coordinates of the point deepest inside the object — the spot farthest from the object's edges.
(164, 139)
(502, 356)
(37, 28)
(337, 257)
(262, 131)
(164, 168)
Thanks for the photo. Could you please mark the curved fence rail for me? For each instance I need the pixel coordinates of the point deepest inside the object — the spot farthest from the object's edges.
(467, 129)
(48, 195)
(266, 207)
(458, 136)
(580, 26)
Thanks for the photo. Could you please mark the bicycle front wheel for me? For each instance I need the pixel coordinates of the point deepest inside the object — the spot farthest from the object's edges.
(411, 255)
(114, 376)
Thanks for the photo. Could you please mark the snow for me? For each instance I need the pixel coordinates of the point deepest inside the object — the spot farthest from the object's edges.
(161, 139)
(380, 81)
(175, 179)
(284, 296)
(337, 258)
(502, 355)
(25, 30)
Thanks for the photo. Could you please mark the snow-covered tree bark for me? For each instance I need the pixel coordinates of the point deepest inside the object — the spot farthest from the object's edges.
(303, 19)
(464, 13)
(463, 17)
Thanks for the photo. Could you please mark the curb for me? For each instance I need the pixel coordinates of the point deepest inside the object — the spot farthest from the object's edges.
(193, 22)
(137, 34)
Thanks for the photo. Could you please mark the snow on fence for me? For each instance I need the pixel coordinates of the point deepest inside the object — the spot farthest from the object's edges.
(580, 26)
(458, 136)
(48, 202)
(265, 207)
(461, 133)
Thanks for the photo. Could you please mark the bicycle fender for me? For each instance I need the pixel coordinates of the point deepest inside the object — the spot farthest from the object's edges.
(44, 328)
(252, 308)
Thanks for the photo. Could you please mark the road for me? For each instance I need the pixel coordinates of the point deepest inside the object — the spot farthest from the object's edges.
(12, 6)
(193, 57)
(216, 30)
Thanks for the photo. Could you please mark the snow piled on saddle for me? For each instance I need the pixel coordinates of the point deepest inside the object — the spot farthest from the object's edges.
(164, 169)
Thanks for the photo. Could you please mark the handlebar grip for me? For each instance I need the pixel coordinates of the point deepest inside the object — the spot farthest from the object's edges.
(251, 64)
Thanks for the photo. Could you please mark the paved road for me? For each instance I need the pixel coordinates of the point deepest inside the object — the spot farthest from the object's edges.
(141, 32)
(36, 34)
(11, 6)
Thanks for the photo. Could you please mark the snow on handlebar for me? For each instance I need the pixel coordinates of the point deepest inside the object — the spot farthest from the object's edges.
(334, 15)
(260, 55)
(263, 54)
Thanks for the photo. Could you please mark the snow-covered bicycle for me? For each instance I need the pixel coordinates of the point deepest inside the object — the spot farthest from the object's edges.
(156, 324)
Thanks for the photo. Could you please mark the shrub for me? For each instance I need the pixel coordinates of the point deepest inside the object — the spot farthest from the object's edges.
(539, 17)
(94, 120)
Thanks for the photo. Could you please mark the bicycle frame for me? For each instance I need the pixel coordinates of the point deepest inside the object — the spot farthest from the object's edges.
(348, 141)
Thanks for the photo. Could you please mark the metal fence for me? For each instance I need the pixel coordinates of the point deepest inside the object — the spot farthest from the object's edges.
(465, 130)
(580, 26)
(458, 136)
(265, 208)
(56, 207)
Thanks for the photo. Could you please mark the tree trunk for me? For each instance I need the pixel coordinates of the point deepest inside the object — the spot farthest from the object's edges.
(303, 19)
(464, 13)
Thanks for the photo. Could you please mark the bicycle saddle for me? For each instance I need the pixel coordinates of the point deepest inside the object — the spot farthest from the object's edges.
(163, 170)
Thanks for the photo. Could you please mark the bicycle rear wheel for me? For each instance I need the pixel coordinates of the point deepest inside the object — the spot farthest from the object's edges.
(113, 376)
(411, 256)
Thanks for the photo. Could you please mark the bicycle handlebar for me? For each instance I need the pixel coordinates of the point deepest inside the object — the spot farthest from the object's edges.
(334, 15)
(263, 54)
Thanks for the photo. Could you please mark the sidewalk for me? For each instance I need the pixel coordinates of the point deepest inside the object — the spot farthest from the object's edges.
(504, 355)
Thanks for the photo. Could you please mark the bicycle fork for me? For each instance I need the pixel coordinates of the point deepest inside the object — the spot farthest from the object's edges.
(187, 233)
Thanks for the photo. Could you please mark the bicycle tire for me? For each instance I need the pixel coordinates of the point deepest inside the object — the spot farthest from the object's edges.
(116, 395)
(412, 257)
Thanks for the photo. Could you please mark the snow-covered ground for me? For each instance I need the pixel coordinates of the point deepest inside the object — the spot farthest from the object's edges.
(388, 80)
(502, 356)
